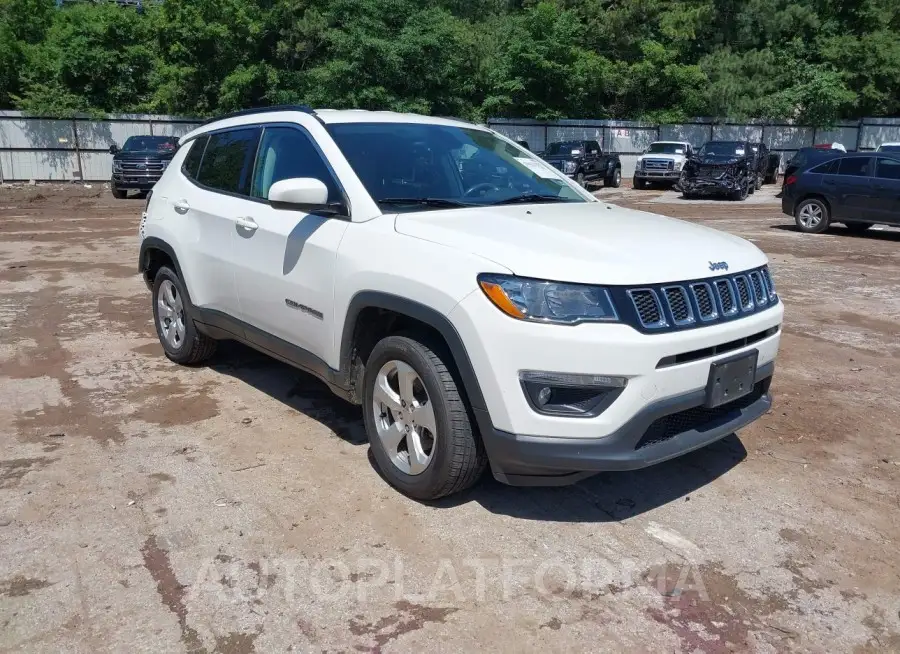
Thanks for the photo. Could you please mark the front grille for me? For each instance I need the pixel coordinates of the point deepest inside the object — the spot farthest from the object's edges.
(658, 164)
(699, 418)
(141, 166)
(683, 305)
(648, 307)
(770, 285)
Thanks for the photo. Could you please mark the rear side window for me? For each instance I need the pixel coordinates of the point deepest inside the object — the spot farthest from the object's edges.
(887, 168)
(287, 152)
(192, 161)
(827, 168)
(855, 166)
(228, 160)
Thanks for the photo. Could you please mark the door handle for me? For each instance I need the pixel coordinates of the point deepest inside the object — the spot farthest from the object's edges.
(245, 222)
(181, 206)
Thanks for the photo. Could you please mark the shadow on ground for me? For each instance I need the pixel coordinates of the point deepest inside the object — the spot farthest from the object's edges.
(605, 497)
(883, 234)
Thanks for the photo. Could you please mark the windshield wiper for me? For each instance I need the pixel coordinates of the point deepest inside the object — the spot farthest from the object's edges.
(428, 202)
(530, 197)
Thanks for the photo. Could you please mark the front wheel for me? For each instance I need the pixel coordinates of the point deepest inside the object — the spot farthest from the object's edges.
(812, 216)
(119, 193)
(615, 180)
(742, 192)
(639, 184)
(417, 421)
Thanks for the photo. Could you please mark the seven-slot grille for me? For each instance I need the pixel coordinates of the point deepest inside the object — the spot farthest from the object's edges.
(691, 304)
(141, 166)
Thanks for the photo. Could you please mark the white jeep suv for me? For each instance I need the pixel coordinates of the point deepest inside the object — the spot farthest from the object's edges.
(481, 307)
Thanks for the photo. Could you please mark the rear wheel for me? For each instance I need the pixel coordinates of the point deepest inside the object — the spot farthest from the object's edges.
(175, 327)
(812, 216)
(417, 421)
(858, 228)
(615, 180)
(119, 193)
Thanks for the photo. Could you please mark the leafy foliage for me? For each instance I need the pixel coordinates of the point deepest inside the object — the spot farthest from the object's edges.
(815, 61)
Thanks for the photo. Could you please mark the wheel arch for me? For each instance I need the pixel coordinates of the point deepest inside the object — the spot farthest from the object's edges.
(366, 303)
(155, 253)
(813, 196)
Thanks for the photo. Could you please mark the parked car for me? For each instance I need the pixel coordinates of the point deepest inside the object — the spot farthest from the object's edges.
(661, 163)
(139, 164)
(351, 246)
(721, 168)
(856, 189)
(806, 158)
(772, 167)
(888, 147)
(764, 164)
(584, 161)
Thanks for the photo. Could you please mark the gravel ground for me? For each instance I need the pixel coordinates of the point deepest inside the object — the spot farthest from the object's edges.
(234, 507)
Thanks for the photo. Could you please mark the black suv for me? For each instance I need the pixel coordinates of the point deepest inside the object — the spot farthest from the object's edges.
(584, 161)
(731, 168)
(140, 163)
(857, 189)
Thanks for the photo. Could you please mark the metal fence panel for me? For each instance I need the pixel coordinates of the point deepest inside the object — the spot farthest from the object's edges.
(876, 131)
(694, 133)
(51, 165)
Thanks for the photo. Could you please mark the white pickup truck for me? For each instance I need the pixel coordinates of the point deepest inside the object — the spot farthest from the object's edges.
(661, 163)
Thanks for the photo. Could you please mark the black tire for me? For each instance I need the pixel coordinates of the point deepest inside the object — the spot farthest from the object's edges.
(818, 227)
(194, 347)
(857, 228)
(458, 457)
(759, 182)
(615, 180)
(741, 194)
(638, 184)
(579, 179)
(119, 193)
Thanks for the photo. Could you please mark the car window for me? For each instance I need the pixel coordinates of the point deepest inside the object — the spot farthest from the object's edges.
(593, 147)
(287, 152)
(887, 168)
(827, 168)
(192, 161)
(227, 162)
(855, 166)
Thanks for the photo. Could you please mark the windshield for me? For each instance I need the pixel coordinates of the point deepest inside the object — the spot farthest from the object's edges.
(446, 165)
(150, 144)
(889, 148)
(723, 149)
(666, 148)
(565, 148)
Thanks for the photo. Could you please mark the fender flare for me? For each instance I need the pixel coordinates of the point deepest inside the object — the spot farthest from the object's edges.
(425, 314)
(154, 243)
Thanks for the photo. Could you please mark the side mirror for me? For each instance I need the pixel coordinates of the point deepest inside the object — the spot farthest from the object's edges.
(113, 149)
(304, 194)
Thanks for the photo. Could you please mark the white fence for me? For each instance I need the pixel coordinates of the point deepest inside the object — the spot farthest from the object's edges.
(629, 139)
(46, 149)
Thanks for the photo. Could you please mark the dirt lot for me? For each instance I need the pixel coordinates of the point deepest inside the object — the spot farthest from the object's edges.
(233, 508)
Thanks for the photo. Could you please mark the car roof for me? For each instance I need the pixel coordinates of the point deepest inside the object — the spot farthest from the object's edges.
(289, 114)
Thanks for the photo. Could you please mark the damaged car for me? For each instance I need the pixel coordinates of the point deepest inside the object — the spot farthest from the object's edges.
(724, 168)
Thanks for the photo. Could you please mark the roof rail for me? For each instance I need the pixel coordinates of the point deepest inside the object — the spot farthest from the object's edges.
(263, 110)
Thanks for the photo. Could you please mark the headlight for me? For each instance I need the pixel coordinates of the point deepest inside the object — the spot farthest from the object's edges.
(679, 165)
(569, 167)
(117, 165)
(552, 302)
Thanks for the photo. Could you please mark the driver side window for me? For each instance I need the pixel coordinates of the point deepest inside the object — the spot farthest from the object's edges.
(287, 152)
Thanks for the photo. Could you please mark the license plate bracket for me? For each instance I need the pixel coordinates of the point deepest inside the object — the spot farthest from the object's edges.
(730, 379)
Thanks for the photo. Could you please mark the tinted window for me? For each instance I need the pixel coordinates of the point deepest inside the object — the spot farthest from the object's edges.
(228, 159)
(887, 168)
(855, 166)
(565, 148)
(192, 161)
(286, 152)
(150, 144)
(593, 146)
(829, 167)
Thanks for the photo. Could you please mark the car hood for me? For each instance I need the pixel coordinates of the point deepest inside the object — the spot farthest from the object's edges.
(666, 157)
(717, 161)
(584, 242)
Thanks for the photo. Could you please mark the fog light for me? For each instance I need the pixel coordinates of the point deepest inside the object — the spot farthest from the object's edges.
(566, 394)
(544, 395)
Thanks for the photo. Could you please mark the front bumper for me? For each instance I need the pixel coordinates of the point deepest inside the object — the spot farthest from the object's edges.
(711, 186)
(664, 430)
(135, 182)
(667, 175)
(520, 440)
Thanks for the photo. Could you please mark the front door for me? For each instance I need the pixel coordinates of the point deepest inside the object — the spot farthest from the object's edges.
(285, 259)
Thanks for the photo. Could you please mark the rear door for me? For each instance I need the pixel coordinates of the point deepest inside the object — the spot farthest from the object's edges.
(593, 157)
(851, 189)
(886, 190)
(212, 188)
(285, 258)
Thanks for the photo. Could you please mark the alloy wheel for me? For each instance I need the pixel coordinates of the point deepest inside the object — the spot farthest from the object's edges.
(170, 309)
(810, 215)
(404, 417)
